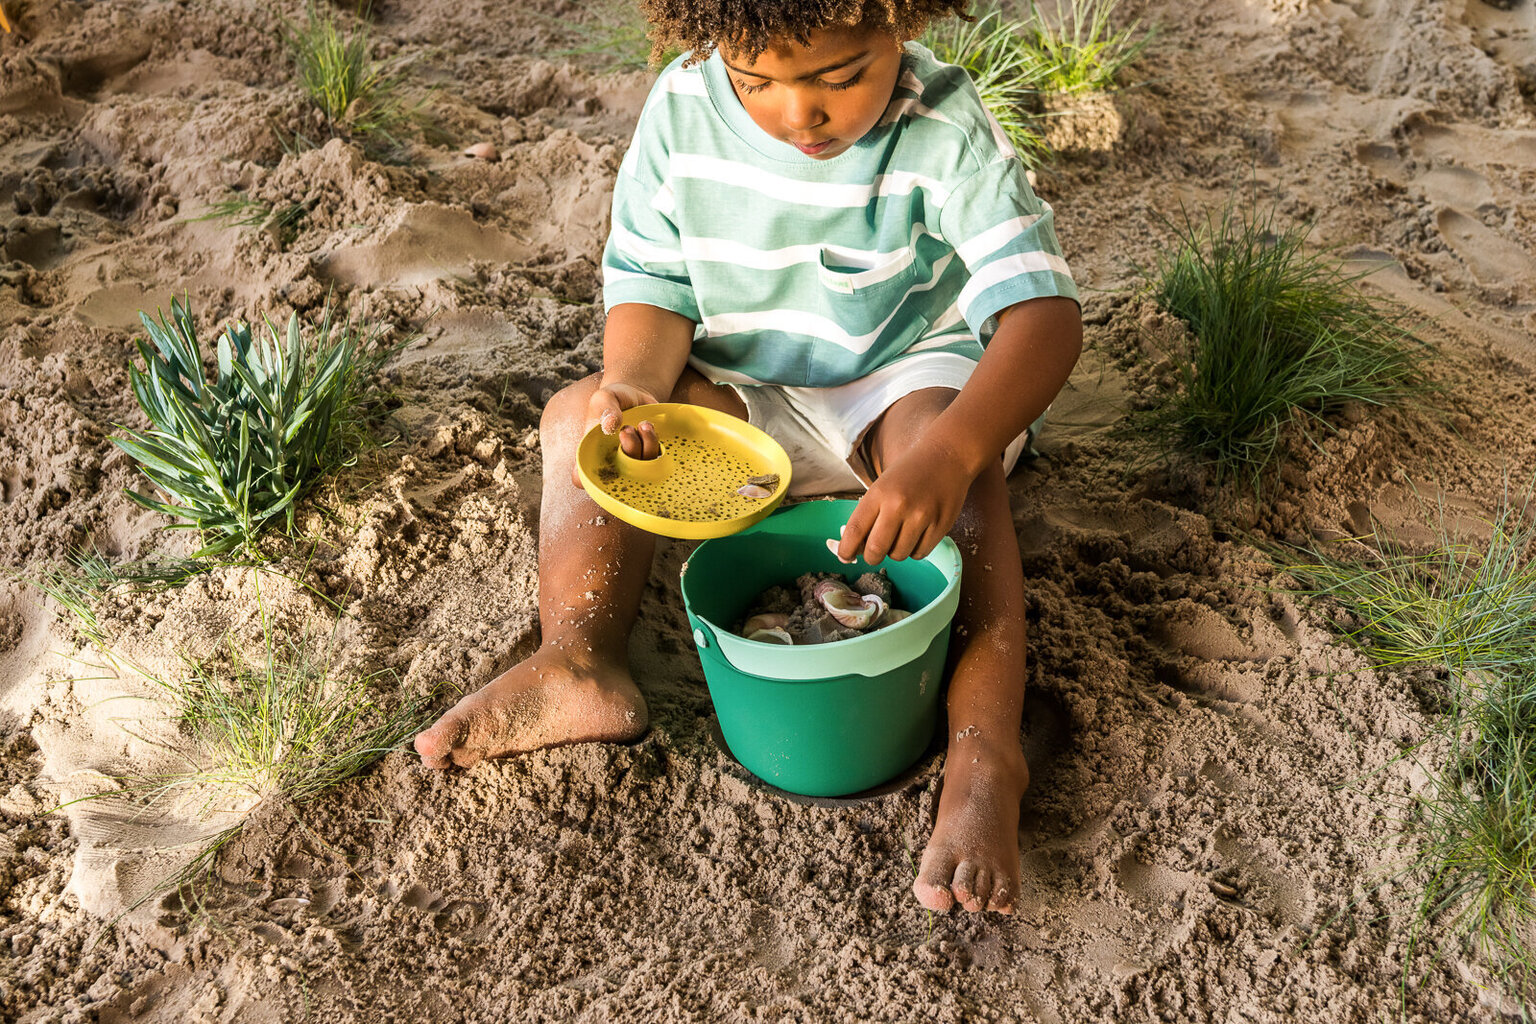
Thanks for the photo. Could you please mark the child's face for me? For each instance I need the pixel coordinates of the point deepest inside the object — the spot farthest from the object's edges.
(823, 96)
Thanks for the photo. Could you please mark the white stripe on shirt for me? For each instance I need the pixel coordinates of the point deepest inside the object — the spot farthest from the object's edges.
(686, 83)
(642, 250)
(802, 193)
(1008, 267)
(994, 238)
(813, 325)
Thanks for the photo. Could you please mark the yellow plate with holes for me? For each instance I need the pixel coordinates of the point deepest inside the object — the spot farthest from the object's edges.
(690, 490)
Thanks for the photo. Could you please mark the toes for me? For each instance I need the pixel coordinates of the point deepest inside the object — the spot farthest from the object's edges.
(437, 744)
(1003, 891)
(964, 886)
(932, 885)
(982, 888)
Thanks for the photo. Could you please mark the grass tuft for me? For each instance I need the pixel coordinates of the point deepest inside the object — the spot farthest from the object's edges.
(1015, 62)
(1083, 52)
(240, 210)
(235, 453)
(1479, 859)
(1470, 609)
(360, 98)
(1281, 338)
(77, 585)
(994, 51)
(282, 726)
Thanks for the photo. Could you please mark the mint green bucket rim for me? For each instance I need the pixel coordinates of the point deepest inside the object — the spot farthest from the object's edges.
(875, 654)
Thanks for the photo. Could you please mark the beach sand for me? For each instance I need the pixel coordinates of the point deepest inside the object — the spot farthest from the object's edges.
(1214, 830)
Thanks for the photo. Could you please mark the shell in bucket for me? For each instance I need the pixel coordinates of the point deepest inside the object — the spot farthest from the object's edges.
(826, 719)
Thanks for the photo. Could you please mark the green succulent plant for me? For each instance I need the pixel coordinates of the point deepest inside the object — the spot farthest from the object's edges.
(234, 454)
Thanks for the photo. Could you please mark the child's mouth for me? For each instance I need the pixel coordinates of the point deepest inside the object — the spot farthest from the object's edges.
(813, 150)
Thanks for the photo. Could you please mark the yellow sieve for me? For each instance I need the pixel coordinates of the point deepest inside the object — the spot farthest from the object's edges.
(691, 490)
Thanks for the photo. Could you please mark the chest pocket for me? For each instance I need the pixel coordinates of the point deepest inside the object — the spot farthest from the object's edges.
(860, 296)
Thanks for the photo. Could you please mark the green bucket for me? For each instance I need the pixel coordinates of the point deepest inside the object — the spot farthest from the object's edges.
(822, 719)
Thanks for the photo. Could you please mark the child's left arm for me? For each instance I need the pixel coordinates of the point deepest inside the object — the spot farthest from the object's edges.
(917, 498)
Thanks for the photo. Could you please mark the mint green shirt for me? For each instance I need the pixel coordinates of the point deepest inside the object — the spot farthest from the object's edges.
(812, 273)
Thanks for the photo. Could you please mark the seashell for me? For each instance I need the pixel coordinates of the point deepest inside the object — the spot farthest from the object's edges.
(893, 615)
(768, 480)
(483, 151)
(856, 611)
(767, 620)
(774, 635)
(832, 547)
(754, 491)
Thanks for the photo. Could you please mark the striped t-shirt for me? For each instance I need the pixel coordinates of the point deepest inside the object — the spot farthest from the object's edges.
(812, 273)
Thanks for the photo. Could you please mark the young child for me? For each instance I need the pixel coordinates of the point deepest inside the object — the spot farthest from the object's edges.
(819, 229)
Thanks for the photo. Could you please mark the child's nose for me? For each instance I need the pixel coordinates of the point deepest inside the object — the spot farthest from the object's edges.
(802, 112)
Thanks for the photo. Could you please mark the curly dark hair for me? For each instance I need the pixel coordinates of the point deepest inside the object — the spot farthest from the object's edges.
(752, 26)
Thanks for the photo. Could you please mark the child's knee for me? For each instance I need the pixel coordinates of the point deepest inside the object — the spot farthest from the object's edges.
(905, 423)
(565, 414)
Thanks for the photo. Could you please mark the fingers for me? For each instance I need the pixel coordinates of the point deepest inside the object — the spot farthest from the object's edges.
(878, 529)
(931, 538)
(910, 537)
(857, 530)
(882, 537)
(640, 442)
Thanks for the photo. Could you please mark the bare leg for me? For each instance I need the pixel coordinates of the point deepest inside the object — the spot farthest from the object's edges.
(577, 686)
(973, 856)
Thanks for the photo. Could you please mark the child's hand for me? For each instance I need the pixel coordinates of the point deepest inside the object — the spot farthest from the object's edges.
(606, 409)
(909, 509)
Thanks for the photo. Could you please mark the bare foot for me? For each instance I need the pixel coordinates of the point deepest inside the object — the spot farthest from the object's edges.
(973, 855)
(550, 699)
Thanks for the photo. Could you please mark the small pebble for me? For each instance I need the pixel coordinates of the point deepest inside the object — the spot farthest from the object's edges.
(483, 151)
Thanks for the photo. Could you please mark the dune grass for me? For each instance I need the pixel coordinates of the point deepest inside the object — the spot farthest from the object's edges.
(1082, 51)
(1281, 339)
(1471, 609)
(85, 576)
(240, 210)
(234, 454)
(280, 726)
(1016, 62)
(1478, 862)
(361, 98)
(995, 51)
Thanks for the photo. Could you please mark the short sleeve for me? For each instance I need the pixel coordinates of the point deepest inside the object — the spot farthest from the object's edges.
(643, 260)
(1006, 237)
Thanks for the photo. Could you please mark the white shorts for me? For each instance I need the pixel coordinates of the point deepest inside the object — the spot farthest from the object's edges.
(822, 429)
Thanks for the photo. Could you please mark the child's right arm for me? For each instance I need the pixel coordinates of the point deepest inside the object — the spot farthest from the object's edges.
(645, 349)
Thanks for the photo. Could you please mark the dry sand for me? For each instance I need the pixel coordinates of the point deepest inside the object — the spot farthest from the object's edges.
(1212, 832)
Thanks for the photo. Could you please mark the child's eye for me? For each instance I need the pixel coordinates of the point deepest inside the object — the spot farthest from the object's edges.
(834, 86)
(748, 90)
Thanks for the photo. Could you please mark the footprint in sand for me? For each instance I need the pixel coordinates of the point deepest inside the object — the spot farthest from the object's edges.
(1493, 260)
(1506, 31)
